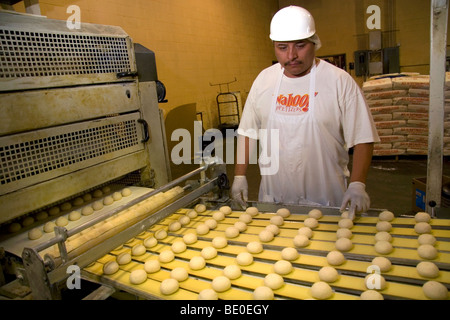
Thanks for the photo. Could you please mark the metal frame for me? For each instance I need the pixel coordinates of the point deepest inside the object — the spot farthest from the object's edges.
(439, 22)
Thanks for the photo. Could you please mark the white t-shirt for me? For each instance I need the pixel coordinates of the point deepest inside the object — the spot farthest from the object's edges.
(339, 104)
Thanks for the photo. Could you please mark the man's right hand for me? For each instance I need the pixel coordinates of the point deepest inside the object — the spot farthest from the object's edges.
(239, 190)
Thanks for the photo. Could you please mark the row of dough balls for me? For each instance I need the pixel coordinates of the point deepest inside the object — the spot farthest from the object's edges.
(66, 206)
(76, 215)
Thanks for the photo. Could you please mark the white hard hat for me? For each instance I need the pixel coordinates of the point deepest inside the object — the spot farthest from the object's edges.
(292, 23)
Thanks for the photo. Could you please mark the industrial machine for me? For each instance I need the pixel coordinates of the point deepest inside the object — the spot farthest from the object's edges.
(85, 181)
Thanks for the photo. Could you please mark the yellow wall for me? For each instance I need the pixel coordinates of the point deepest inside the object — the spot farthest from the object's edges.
(341, 25)
(196, 42)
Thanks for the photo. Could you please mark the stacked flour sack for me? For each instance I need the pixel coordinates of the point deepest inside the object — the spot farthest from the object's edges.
(400, 105)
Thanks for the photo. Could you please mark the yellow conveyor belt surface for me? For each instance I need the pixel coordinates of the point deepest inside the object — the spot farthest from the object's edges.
(402, 281)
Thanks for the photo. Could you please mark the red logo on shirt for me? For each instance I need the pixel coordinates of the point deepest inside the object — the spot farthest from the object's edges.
(293, 104)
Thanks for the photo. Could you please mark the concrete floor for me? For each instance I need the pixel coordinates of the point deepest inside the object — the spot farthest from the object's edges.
(389, 182)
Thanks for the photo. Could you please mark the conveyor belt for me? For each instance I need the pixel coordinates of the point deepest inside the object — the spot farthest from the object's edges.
(403, 280)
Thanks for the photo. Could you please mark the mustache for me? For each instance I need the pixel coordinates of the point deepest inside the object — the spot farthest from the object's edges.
(291, 62)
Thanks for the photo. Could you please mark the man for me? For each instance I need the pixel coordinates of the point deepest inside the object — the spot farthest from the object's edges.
(317, 113)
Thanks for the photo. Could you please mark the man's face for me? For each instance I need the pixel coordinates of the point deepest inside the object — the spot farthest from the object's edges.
(295, 56)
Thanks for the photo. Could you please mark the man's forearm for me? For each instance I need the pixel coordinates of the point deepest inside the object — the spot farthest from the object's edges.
(362, 158)
(242, 156)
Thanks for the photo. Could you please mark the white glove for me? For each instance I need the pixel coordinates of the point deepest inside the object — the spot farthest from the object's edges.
(357, 196)
(239, 190)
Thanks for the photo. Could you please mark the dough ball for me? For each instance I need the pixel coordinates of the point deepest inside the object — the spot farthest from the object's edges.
(34, 234)
(266, 236)
(273, 228)
(152, 266)
(123, 258)
(174, 226)
(245, 217)
(202, 229)
(375, 281)
(49, 227)
(218, 215)
(383, 247)
(422, 227)
(28, 221)
(166, 256)
(344, 244)
(192, 214)
(126, 192)
(97, 205)
(328, 274)
(108, 200)
(289, 254)
(277, 220)
(274, 281)
(87, 211)
(150, 242)
(110, 267)
(41, 215)
(345, 214)
(226, 210)
(190, 238)
(427, 269)
(384, 226)
(383, 236)
(244, 259)
(197, 263)
(208, 294)
(345, 223)
(169, 286)
(160, 234)
(138, 250)
(75, 215)
(282, 267)
(311, 223)
(427, 239)
(283, 212)
(315, 213)
(344, 233)
(383, 263)
(200, 208)
(62, 222)
(231, 232)
(241, 226)
(209, 253)
(427, 251)
(87, 197)
(335, 258)
(54, 211)
(219, 242)
(422, 217)
(221, 284)
(232, 272)
(301, 241)
(138, 276)
(306, 231)
(386, 216)
(178, 246)
(98, 193)
(180, 274)
(263, 293)
(184, 220)
(211, 223)
(371, 295)
(435, 290)
(255, 247)
(106, 189)
(253, 211)
(321, 290)
(117, 196)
